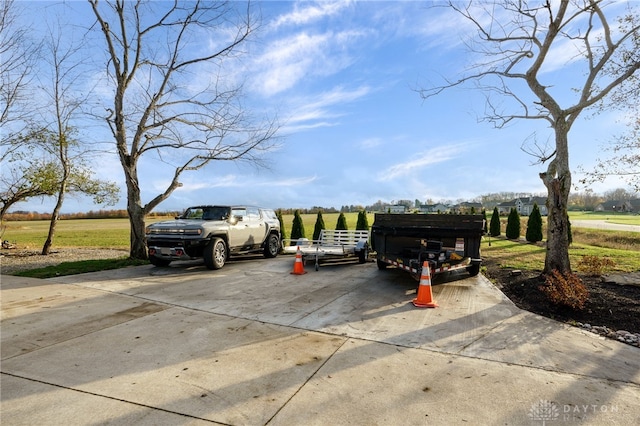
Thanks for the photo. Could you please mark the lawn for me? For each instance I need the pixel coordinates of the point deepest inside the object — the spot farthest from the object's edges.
(620, 218)
(90, 233)
(622, 247)
(522, 255)
(114, 233)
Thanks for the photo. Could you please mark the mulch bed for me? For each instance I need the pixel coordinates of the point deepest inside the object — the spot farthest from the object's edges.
(610, 305)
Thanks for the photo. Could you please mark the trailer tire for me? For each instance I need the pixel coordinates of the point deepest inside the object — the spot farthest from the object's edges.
(474, 269)
(362, 255)
(381, 265)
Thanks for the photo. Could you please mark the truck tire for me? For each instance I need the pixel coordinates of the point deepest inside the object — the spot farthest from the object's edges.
(474, 269)
(362, 255)
(272, 246)
(156, 261)
(215, 253)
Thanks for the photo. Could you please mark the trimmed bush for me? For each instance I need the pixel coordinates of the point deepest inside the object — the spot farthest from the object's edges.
(283, 232)
(297, 229)
(486, 223)
(319, 226)
(513, 225)
(494, 227)
(534, 226)
(363, 222)
(342, 223)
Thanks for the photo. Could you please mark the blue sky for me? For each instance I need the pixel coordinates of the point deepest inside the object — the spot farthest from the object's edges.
(342, 76)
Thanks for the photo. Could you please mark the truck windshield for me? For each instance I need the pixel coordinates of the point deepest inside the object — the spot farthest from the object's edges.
(206, 213)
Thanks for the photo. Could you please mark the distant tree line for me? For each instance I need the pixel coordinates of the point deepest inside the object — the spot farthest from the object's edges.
(587, 200)
(21, 215)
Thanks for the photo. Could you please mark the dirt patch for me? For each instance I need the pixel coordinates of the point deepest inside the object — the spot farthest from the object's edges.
(612, 310)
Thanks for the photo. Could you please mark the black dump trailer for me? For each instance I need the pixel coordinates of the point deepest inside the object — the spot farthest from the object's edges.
(447, 241)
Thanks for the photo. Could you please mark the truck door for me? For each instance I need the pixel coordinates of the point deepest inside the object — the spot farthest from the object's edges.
(240, 231)
(256, 227)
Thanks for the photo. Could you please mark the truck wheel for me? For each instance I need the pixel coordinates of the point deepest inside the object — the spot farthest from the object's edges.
(381, 265)
(156, 261)
(362, 255)
(272, 246)
(215, 253)
(474, 269)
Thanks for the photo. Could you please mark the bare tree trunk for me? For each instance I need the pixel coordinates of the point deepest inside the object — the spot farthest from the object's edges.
(138, 249)
(557, 179)
(135, 209)
(46, 249)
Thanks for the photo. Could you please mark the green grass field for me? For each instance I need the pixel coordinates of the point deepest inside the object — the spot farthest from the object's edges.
(622, 247)
(620, 218)
(114, 233)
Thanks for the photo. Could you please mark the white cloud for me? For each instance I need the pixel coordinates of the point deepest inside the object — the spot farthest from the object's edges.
(421, 160)
(235, 181)
(370, 143)
(287, 61)
(307, 12)
(321, 111)
(312, 46)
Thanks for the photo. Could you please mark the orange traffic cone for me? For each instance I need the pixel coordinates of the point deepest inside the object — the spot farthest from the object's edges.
(298, 266)
(425, 298)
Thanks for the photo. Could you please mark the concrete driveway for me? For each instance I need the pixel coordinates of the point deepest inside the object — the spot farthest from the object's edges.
(252, 344)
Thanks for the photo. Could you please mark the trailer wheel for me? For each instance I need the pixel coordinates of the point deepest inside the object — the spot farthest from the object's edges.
(362, 255)
(381, 265)
(474, 269)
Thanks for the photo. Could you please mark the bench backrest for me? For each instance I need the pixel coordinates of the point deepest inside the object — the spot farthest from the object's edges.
(343, 237)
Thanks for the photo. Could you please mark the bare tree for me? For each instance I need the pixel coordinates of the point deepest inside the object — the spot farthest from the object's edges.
(18, 55)
(586, 200)
(623, 151)
(171, 100)
(65, 101)
(518, 40)
(619, 194)
(623, 160)
(18, 181)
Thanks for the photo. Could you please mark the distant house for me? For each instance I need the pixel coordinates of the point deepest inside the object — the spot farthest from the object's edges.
(397, 208)
(434, 208)
(524, 206)
(619, 206)
(466, 207)
(505, 207)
